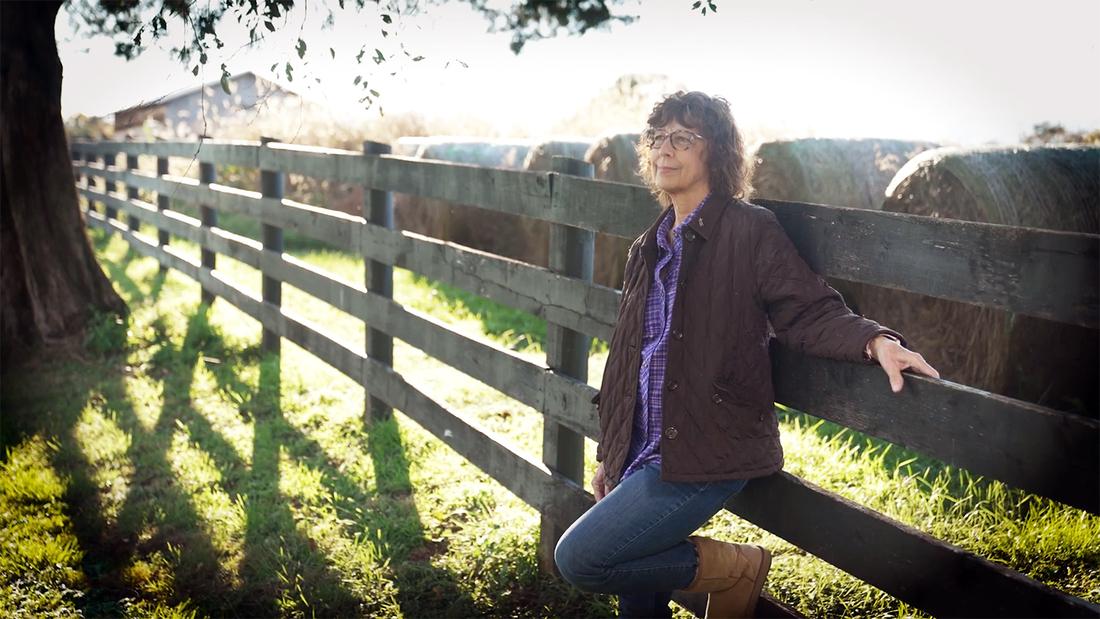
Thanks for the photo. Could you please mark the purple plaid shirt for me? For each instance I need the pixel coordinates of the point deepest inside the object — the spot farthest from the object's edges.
(645, 439)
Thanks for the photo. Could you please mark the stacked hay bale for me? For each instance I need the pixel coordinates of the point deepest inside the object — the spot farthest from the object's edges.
(615, 158)
(1023, 357)
(838, 172)
(852, 173)
(484, 229)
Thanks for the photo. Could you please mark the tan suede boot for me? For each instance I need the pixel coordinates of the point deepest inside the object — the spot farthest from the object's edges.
(733, 575)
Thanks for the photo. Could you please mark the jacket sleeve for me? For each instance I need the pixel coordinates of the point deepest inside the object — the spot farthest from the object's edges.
(807, 314)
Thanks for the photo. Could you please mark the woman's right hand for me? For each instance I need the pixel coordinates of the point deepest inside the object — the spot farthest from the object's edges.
(599, 482)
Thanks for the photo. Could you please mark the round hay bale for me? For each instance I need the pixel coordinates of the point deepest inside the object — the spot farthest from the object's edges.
(540, 156)
(615, 158)
(839, 172)
(499, 233)
(1032, 359)
(852, 173)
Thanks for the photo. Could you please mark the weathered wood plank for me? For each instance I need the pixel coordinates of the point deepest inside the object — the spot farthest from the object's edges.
(333, 227)
(220, 241)
(556, 396)
(1047, 274)
(571, 253)
(511, 191)
(910, 565)
(1043, 273)
(334, 164)
(1031, 447)
(588, 308)
(604, 206)
(244, 153)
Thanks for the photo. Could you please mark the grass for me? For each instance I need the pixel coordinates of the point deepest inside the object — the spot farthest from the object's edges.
(171, 469)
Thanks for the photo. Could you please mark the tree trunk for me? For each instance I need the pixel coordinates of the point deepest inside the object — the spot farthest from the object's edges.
(49, 277)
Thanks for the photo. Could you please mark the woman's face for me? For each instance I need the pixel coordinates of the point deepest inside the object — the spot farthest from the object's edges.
(679, 171)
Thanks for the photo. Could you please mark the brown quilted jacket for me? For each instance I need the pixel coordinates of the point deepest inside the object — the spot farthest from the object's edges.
(738, 271)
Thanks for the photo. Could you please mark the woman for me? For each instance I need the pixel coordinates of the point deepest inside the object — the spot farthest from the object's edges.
(686, 403)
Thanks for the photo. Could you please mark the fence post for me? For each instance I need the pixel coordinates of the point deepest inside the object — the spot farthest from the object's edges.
(272, 185)
(378, 210)
(133, 223)
(571, 253)
(163, 204)
(109, 161)
(207, 175)
(81, 158)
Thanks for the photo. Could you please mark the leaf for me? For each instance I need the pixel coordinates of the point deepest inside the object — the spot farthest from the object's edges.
(301, 48)
(202, 58)
(270, 26)
(358, 78)
(374, 92)
(289, 74)
(379, 57)
(386, 18)
(332, 51)
(195, 71)
(225, 82)
(418, 59)
(697, 5)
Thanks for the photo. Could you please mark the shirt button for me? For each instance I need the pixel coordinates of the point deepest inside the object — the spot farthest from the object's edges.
(677, 334)
(671, 432)
(673, 385)
(717, 399)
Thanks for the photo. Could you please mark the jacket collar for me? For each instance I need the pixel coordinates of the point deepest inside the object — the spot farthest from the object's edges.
(703, 224)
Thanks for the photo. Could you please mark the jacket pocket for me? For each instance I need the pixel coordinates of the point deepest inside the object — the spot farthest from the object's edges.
(739, 415)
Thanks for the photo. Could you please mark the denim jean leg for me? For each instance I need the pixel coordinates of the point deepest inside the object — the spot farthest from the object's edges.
(639, 605)
(635, 539)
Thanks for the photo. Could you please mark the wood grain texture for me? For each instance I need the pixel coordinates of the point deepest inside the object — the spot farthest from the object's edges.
(910, 565)
(1037, 449)
(1042, 273)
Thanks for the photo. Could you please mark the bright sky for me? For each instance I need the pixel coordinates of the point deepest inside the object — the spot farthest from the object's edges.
(967, 72)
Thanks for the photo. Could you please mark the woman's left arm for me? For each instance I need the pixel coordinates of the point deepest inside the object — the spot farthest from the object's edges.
(811, 317)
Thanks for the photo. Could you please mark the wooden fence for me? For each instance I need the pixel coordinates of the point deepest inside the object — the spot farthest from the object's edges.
(1048, 274)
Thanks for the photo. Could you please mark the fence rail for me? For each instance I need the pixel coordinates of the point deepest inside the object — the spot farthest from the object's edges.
(1041, 273)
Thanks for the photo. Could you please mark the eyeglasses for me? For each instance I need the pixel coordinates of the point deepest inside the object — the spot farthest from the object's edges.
(682, 139)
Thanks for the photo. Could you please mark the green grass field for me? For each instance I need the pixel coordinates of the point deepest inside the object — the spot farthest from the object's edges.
(172, 470)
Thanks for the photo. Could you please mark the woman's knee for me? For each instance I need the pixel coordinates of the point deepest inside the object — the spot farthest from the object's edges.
(575, 564)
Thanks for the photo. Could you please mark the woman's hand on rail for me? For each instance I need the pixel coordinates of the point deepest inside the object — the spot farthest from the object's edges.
(893, 357)
(598, 483)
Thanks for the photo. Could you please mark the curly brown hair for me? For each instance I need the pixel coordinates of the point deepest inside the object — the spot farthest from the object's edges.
(728, 168)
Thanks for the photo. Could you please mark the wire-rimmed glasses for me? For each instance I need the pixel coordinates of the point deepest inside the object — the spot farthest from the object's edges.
(682, 139)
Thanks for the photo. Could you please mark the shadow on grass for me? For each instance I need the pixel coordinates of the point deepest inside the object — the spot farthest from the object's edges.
(116, 271)
(388, 516)
(153, 544)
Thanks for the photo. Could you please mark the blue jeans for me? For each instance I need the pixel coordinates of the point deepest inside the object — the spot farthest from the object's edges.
(633, 542)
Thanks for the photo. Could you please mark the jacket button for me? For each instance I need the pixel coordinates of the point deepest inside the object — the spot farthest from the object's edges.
(671, 432)
(673, 385)
(717, 399)
(690, 235)
(677, 334)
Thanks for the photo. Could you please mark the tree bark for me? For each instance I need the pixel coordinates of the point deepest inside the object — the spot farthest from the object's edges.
(49, 278)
